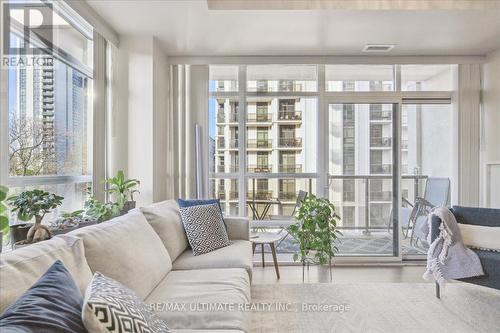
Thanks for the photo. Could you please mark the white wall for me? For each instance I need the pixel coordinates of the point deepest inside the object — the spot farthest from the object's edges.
(490, 135)
(138, 139)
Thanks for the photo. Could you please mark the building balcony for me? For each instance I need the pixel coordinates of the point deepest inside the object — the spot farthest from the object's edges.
(231, 118)
(259, 117)
(381, 142)
(290, 168)
(221, 143)
(260, 168)
(221, 194)
(381, 168)
(404, 144)
(233, 195)
(229, 168)
(233, 144)
(289, 115)
(287, 196)
(381, 196)
(260, 144)
(290, 143)
(383, 115)
(260, 195)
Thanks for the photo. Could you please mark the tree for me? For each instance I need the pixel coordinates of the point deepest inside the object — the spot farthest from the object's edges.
(31, 150)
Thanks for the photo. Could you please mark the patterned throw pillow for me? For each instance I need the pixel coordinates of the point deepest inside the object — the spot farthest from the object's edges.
(204, 227)
(110, 307)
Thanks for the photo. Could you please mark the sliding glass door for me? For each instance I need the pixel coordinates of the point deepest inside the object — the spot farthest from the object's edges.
(361, 175)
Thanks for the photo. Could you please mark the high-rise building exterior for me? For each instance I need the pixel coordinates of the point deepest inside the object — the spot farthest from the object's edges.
(54, 101)
(284, 139)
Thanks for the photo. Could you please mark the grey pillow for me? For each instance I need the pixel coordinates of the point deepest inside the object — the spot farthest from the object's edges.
(205, 229)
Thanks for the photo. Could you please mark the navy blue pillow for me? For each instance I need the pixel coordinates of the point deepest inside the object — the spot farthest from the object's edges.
(52, 304)
(198, 202)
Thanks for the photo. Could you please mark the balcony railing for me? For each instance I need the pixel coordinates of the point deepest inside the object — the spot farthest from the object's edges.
(260, 195)
(289, 115)
(381, 168)
(290, 168)
(260, 143)
(291, 196)
(221, 143)
(260, 168)
(381, 142)
(290, 142)
(372, 222)
(231, 118)
(221, 194)
(259, 117)
(381, 115)
(386, 169)
(381, 195)
(233, 143)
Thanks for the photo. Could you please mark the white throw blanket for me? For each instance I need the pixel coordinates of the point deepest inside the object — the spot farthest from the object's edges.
(448, 258)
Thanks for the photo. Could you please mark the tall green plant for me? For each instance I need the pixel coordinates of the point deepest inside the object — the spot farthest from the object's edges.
(316, 231)
(123, 189)
(4, 217)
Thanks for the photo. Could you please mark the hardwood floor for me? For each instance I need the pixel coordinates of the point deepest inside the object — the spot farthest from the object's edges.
(341, 274)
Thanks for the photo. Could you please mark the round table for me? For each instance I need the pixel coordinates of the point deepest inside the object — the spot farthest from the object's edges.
(263, 238)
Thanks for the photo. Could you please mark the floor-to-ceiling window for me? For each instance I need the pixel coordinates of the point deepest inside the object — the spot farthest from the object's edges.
(334, 131)
(49, 104)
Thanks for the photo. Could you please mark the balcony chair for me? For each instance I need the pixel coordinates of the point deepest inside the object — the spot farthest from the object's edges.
(285, 221)
(436, 193)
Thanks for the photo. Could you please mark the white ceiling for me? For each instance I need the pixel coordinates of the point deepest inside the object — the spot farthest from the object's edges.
(190, 28)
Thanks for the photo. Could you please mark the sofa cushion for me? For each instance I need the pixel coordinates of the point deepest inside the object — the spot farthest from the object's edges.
(236, 255)
(21, 268)
(52, 304)
(198, 287)
(110, 307)
(491, 267)
(128, 250)
(489, 217)
(165, 219)
(204, 227)
(480, 237)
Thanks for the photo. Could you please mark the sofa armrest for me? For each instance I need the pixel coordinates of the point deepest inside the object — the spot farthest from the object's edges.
(237, 228)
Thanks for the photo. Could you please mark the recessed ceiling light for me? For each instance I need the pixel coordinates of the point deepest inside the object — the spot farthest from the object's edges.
(380, 48)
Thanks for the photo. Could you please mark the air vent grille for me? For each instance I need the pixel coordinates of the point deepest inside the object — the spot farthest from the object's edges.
(378, 48)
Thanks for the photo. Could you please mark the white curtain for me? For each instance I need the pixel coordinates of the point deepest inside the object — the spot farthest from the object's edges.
(468, 100)
(188, 107)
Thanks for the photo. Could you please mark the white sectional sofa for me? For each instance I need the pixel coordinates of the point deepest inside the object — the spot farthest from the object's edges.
(147, 251)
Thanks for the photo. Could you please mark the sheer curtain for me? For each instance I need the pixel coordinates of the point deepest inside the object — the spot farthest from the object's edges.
(188, 107)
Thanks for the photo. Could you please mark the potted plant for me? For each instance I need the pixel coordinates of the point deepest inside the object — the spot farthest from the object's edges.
(66, 222)
(98, 211)
(123, 191)
(35, 203)
(4, 217)
(315, 232)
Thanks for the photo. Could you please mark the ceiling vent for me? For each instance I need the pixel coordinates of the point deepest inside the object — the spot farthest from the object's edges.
(378, 48)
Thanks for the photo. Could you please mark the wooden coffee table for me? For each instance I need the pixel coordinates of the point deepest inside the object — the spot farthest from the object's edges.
(263, 238)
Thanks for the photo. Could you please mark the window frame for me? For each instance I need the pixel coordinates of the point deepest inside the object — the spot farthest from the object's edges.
(86, 29)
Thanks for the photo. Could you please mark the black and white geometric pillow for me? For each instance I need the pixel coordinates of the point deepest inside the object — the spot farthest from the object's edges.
(205, 229)
(110, 307)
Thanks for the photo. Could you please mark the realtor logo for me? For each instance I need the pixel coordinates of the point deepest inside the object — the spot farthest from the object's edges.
(28, 29)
